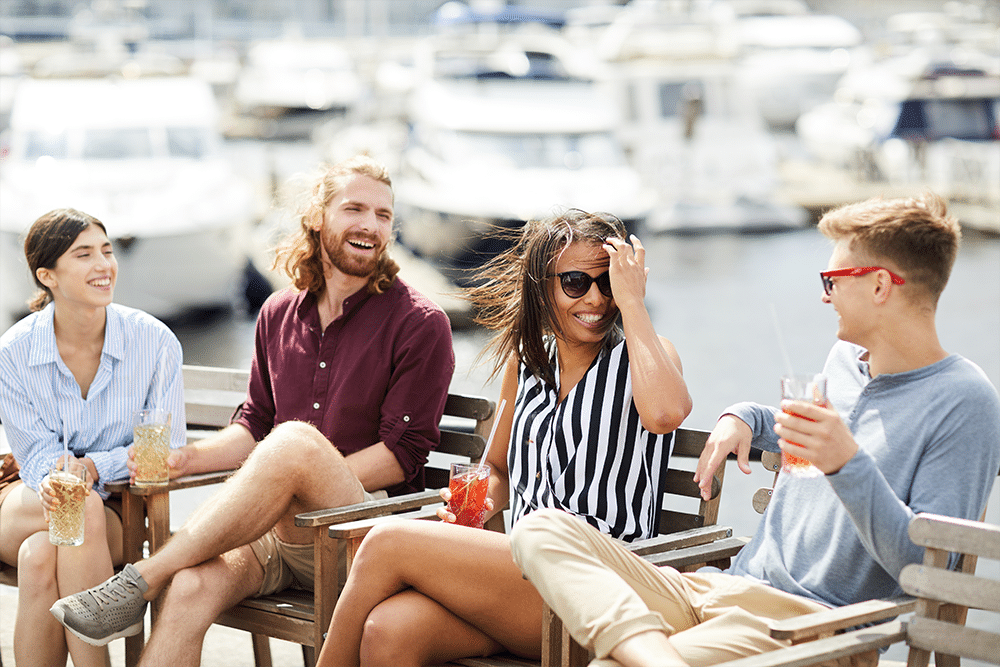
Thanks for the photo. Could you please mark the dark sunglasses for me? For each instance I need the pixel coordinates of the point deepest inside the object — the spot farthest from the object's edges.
(826, 276)
(577, 283)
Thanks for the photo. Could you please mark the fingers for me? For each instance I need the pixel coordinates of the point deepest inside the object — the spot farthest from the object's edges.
(445, 515)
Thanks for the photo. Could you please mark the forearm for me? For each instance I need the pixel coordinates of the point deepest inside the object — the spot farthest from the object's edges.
(660, 393)
(224, 450)
(376, 467)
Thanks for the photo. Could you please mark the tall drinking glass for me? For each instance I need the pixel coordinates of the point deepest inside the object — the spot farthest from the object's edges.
(69, 485)
(802, 388)
(152, 446)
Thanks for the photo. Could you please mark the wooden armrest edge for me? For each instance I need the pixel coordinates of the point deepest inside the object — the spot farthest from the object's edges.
(841, 618)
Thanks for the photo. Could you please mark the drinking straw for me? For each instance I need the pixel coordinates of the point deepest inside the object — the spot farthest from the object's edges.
(781, 341)
(65, 430)
(489, 441)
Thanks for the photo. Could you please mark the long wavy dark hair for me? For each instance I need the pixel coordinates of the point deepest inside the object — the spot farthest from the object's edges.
(50, 236)
(513, 298)
(300, 256)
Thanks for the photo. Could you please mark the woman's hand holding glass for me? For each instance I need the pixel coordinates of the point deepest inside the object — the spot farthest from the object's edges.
(449, 517)
(45, 494)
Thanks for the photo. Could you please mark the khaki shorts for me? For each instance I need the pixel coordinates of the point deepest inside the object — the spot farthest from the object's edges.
(286, 564)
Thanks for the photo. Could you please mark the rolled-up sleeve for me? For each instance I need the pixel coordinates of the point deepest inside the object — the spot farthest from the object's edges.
(423, 365)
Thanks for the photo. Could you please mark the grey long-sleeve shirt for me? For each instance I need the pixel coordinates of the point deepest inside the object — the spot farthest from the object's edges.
(929, 441)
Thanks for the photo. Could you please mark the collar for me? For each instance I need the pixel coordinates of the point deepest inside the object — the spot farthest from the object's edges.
(43, 336)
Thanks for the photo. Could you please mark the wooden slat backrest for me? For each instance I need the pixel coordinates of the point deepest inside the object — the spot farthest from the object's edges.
(688, 444)
(934, 585)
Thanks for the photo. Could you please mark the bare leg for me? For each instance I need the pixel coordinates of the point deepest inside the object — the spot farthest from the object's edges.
(194, 599)
(47, 572)
(293, 470)
(37, 640)
(468, 572)
(79, 568)
(411, 629)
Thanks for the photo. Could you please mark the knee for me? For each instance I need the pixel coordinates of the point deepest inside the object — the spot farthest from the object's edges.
(385, 642)
(383, 540)
(188, 590)
(36, 563)
(294, 444)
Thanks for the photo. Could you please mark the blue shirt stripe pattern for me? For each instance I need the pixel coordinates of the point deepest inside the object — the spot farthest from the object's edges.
(41, 403)
(588, 455)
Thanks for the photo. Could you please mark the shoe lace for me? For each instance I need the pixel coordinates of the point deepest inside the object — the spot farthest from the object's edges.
(112, 592)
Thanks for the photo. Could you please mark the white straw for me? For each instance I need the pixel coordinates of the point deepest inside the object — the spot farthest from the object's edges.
(781, 341)
(493, 431)
(65, 430)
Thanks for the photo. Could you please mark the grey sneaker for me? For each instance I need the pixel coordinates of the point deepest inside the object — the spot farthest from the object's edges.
(105, 612)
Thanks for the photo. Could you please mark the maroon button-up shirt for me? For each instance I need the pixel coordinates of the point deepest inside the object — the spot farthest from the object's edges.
(379, 373)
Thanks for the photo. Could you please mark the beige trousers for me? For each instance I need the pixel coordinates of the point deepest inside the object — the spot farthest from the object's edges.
(604, 594)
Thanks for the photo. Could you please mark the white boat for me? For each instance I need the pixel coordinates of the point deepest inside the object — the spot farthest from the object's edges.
(501, 135)
(294, 82)
(143, 157)
(917, 123)
(701, 147)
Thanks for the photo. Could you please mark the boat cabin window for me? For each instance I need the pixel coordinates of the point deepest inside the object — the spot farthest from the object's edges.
(186, 142)
(117, 144)
(39, 144)
(930, 120)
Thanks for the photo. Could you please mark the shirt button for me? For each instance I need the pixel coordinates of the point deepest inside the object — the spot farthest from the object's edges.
(406, 418)
(315, 406)
(322, 364)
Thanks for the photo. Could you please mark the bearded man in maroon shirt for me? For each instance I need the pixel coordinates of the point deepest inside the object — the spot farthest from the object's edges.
(348, 384)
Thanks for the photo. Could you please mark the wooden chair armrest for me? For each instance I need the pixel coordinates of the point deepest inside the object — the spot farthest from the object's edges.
(698, 554)
(841, 618)
(829, 649)
(357, 529)
(367, 510)
(685, 538)
(185, 482)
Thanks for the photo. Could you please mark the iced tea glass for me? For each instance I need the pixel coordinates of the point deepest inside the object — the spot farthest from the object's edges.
(151, 435)
(468, 485)
(802, 388)
(69, 486)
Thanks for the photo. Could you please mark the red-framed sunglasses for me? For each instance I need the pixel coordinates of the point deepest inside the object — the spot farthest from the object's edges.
(826, 276)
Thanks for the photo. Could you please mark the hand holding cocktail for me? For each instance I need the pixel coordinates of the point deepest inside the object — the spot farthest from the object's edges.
(812, 431)
(467, 494)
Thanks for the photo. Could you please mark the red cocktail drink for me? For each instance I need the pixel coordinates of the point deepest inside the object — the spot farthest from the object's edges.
(801, 388)
(468, 485)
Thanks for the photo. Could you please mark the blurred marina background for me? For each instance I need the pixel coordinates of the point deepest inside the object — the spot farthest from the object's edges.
(718, 130)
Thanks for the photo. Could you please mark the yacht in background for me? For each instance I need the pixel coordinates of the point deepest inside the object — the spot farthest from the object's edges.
(287, 86)
(505, 127)
(142, 155)
(917, 121)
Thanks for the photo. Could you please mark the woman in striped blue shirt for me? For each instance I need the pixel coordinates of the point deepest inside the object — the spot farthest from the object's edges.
(595, 393)
(71, 375)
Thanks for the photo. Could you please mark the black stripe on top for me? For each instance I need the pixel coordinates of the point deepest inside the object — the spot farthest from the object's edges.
(588, 455)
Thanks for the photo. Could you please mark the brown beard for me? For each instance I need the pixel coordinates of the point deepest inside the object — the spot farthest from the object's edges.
(348, 264)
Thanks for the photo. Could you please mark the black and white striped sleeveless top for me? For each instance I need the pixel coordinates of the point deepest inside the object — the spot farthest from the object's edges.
(588, 455)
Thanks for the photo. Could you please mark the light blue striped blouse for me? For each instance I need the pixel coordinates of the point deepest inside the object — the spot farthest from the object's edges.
(41, 402)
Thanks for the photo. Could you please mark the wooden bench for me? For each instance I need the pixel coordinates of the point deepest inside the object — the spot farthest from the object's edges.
(211, 395)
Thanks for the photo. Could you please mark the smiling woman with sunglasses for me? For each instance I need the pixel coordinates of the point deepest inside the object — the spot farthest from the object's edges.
(593, 395)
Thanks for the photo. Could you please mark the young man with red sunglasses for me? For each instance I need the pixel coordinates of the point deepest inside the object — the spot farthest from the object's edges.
(908, 428)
